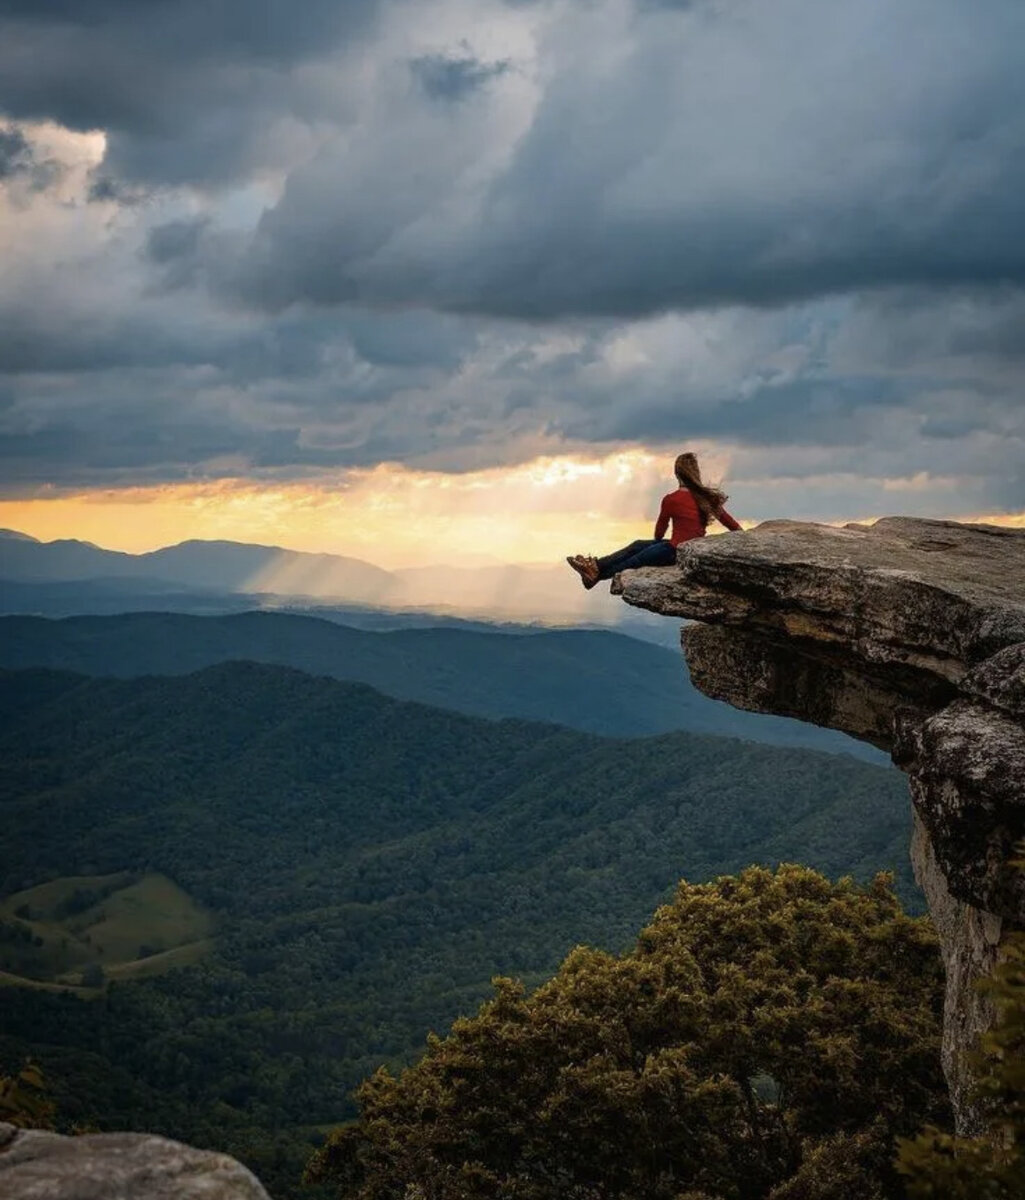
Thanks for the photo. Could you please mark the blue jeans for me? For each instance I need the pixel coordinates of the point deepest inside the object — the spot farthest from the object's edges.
(643, 553)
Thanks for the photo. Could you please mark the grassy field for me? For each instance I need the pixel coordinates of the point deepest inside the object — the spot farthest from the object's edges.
(81, 930)
(8, 980)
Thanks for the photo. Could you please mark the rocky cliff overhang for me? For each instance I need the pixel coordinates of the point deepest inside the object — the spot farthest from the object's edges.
(909, 634)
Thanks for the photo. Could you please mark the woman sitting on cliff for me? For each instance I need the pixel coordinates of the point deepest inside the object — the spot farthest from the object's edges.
(690, 508)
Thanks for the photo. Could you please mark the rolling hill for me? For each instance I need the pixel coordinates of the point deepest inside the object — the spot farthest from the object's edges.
(593, 680)
(80, 931)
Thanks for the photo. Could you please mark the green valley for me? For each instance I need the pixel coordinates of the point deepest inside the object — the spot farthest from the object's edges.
(367, 865)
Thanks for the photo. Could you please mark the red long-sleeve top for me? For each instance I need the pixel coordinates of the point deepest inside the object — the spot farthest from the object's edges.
(681, 508)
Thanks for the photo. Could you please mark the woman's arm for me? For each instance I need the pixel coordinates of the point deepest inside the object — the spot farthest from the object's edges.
(662, 524)
(727, 520)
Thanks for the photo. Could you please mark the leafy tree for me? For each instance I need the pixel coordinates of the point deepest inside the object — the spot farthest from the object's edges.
(768, 1036)
(24, 1101)
(991, 1167)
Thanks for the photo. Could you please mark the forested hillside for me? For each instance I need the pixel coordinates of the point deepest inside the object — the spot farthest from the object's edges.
(587, 679)
(768, 1037)
(366, 865)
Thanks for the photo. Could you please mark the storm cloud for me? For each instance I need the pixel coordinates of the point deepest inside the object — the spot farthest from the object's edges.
(276, 242)
(187, 91)
(15, 152)
(742, 153)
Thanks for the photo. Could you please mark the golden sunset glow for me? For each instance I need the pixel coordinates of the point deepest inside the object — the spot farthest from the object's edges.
(1010, 520)
(536, 512)
(389, 515)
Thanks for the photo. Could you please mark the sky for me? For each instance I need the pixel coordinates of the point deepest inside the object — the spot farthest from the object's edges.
(455, 280)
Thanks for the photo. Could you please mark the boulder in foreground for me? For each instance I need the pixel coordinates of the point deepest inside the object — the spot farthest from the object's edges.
(37, 1165)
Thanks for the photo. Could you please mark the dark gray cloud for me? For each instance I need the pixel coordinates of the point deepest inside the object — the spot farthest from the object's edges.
(52, 335)
(173, 247)
(158, 389)
(174, 240)
(18, 161)
(267, 30)
(786, 228)
(186, 90)
(109, 451)
(15, 153)
(715, 159)
(445, 78)
(165, 398)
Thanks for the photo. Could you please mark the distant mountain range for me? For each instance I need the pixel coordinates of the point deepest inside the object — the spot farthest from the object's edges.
(550, 593)
(593, 680)
(215, 566)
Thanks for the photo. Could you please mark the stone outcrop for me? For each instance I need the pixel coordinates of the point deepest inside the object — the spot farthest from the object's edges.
(909, 634)
(35, 1165)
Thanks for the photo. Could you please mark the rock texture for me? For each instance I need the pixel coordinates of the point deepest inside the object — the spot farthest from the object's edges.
(35, 1165)
(909, 634)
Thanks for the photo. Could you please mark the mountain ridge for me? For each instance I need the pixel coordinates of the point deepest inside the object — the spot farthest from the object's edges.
(533, 590)
(594, 680)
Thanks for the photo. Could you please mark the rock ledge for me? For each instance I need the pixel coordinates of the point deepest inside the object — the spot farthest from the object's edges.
(909, 634)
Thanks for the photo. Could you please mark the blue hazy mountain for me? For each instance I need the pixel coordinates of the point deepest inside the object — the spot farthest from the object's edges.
(593, 680)
(68, 577)
(218, 566)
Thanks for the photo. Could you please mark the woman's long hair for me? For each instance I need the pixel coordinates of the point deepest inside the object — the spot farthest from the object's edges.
(709, 498)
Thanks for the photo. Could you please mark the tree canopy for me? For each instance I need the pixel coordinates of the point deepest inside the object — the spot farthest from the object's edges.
(767, 1037)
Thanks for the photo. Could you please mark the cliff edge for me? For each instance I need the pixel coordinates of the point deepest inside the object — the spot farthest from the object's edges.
(909, 634)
